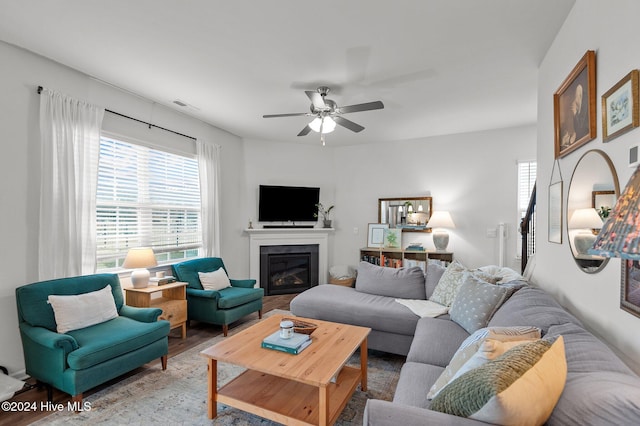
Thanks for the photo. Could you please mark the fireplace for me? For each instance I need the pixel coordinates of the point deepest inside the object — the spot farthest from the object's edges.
(288, 269)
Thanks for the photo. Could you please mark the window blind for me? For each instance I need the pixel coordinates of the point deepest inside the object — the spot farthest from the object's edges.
(146, 198)
(526, 181)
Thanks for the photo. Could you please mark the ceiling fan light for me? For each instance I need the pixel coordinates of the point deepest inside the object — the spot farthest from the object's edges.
(328, 126)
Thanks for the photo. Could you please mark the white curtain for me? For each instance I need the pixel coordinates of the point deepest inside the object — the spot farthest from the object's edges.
(209, 170)
(70, 147)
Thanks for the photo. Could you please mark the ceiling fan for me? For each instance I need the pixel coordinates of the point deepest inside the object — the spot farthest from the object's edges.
(327, 113)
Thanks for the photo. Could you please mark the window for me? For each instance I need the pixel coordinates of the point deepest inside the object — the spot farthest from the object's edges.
(146, 198)
(526, 182)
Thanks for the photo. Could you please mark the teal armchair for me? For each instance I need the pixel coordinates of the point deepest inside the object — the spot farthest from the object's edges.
(79, 360)
(220, 307)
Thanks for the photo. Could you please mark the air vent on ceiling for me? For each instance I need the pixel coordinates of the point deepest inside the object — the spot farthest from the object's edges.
(180, 103)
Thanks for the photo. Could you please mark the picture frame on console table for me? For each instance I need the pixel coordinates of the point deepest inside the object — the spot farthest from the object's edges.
(620, 107)
(376, 234)
(574, 107)
(630, 287)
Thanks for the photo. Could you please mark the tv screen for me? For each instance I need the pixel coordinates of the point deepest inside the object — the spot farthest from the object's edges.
(287, 203)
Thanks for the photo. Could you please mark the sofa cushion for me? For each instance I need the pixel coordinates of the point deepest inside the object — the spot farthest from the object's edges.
(110, 339)
(470, 346)
(476, 302)
(432, 276)
(414, 377)
(436, 341)
(598, 398)
(502, 274)
(82, 310)
(489, 350)
(520, 387)
(346, 305)
(586, 353)
(231, 297)
(216, 280)
(403, 283)
(531, 306)
(449, 283)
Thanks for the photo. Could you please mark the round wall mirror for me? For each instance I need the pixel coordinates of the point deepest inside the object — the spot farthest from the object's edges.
(593, 192)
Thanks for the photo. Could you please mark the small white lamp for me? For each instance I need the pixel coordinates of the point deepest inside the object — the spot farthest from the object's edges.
(139, 259)
(440, 219)
(586, 220)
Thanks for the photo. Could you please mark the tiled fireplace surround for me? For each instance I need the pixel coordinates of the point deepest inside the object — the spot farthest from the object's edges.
(259, 237)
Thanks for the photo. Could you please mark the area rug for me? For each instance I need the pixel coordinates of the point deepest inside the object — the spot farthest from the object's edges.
(178, 396)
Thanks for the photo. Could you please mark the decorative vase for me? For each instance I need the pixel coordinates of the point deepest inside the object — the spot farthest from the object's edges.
(327, 223)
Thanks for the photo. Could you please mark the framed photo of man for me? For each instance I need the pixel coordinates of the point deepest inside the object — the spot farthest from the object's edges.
(574, 107)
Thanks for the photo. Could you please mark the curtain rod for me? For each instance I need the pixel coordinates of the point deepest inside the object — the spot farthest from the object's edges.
(40, 88)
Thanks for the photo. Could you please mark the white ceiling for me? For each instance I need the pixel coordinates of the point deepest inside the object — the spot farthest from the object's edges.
(439, 66)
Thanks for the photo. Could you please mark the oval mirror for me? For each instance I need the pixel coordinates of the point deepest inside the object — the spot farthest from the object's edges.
(593, 191)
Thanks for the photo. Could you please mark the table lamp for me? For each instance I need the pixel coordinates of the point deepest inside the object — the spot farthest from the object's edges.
(437, 221)
(139, 259)
(620, 234)
(586, 220)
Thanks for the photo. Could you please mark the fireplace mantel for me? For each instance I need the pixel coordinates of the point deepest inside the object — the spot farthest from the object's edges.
(288, 236)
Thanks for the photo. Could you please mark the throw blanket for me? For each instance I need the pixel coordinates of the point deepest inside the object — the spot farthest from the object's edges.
(424, 308)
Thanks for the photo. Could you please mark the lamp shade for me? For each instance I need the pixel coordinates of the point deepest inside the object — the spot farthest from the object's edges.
(142, 257)
(585, 219)
(440, 219)
(620, 234)
(327, 127)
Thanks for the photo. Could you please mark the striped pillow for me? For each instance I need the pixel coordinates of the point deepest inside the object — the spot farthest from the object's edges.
(470, 346)
(522, 386)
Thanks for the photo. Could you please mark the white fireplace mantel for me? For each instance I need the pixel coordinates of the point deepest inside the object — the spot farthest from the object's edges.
(288, 236)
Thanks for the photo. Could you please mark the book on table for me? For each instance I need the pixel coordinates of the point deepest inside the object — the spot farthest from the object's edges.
(296, 344)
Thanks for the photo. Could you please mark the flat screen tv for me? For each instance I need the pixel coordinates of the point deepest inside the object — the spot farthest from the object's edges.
(287, 203)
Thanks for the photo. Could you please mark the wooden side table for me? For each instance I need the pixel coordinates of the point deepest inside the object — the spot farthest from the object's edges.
(173, 302)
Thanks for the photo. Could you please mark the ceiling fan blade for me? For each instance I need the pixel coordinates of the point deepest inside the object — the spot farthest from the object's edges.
(294, 114)
(316, 99)
(304, 131)
(348, 124)
(362, 107)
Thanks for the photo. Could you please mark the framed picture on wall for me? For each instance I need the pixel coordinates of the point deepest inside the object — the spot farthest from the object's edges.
(375, 236)
(555, 212)
(620, 107)
(574, 107)
(630, 287)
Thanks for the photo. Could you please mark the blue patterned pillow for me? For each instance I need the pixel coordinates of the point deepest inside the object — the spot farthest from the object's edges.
(476, 302)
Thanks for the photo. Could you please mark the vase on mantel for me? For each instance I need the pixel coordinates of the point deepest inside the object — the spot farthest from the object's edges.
(327, 223)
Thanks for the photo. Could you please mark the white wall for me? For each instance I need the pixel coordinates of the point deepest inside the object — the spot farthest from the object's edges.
(20, 74)
(472, 175)
(609, 28)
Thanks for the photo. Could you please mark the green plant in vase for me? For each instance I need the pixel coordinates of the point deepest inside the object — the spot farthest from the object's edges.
(325, 213)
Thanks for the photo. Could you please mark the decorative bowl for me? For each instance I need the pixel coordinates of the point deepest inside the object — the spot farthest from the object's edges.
(300, 326)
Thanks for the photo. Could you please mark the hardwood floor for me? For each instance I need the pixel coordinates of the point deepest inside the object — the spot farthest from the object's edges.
(196, 334)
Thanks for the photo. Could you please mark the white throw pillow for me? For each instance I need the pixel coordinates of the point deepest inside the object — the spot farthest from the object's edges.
(449, 284)
(471, 345)
(490, 349)
(83, 310)
(520, 387)
(216, 280)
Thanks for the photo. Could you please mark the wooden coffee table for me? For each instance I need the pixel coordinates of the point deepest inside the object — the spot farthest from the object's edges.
(290, 389)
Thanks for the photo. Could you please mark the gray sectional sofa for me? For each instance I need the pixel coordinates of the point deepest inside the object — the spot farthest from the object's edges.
(599, 388)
